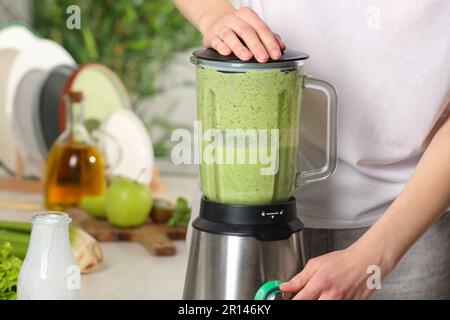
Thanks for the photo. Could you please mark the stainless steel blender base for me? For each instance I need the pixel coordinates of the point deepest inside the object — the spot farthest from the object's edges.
(229, 267)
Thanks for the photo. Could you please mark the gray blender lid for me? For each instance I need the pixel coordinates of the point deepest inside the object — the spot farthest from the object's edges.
(211, 58)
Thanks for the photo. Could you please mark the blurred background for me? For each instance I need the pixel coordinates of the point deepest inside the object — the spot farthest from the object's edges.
(129, 60)
(145, 43)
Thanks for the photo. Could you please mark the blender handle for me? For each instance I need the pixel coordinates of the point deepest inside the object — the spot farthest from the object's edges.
(314, 175)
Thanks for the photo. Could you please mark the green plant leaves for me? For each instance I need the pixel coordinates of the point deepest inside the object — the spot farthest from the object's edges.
(134, 38)
(89, 43)
(9, 272)
(181, 215)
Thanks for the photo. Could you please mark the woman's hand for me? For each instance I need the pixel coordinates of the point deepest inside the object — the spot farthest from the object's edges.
(338, 275)
(242, 32)
(343, 274)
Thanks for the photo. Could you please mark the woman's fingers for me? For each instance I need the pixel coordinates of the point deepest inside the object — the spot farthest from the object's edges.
(220, 46)
(264, 34)
(229, 37)
(309, 292)
(325, 296)
(245, 34)
(296, 283)
(280, 42)
(251, 40)
(299, 281)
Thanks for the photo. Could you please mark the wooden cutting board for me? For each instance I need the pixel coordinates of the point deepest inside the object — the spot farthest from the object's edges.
(156, 238)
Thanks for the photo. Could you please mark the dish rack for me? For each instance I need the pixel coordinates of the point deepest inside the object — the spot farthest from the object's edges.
(18, 182)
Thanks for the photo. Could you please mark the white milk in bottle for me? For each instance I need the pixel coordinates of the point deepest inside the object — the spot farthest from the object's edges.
(49, 270)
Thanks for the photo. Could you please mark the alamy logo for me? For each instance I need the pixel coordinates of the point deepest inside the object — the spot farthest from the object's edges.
(73, 281)
(73, 21)
(227, 146)
(374, 280)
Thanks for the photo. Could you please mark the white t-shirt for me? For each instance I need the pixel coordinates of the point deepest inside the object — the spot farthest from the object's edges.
(390, 63)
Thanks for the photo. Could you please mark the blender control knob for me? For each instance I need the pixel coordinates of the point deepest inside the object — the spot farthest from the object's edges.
(271, 291)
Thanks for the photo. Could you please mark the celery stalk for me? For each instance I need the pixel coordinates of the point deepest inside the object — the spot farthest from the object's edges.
(21, 226)
(25, 227)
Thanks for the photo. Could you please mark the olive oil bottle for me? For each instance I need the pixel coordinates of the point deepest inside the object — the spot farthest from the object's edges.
(75, 167)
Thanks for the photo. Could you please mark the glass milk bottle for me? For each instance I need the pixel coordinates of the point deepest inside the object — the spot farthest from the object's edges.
(49, 270)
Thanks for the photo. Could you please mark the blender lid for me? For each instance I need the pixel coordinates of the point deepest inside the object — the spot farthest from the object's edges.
(212, 55)
(289, 60)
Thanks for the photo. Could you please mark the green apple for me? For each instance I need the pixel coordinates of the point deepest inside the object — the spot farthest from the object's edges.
(127, 203)
(95, 205)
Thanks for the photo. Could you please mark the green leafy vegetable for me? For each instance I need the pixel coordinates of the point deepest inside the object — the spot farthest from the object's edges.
(181, 214)
(9, 272)
(18, 241)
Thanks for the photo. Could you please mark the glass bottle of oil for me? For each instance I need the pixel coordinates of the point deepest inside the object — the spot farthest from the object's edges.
(75, 167)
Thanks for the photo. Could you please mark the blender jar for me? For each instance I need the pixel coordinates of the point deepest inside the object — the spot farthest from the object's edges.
(249, 116)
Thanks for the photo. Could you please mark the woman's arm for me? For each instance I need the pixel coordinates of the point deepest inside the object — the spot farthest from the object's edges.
(343, 274)
(423, 200)
(227, 29)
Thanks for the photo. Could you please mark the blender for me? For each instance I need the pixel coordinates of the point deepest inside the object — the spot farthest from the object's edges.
(247, 238)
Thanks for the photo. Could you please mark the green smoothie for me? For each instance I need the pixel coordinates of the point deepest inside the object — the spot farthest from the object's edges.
(258, 100)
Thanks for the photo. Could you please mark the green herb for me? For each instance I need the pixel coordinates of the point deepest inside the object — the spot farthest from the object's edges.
(9, 272)
(181, 214)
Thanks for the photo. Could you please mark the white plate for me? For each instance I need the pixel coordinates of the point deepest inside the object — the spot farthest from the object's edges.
(25, 102)
(46, 110)
(103, 93)
(13, 39)
(38, 59)
(123, 130)
(16, 36)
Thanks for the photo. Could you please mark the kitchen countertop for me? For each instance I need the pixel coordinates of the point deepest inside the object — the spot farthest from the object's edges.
(128, 270)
